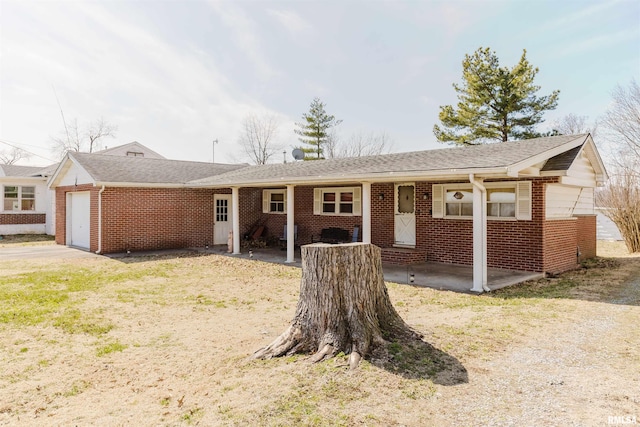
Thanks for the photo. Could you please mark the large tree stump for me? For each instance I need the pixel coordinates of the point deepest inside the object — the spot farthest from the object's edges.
(343, 307)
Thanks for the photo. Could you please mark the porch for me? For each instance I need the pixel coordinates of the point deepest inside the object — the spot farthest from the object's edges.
(435, 275)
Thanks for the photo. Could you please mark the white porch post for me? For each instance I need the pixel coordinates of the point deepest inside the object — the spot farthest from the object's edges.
(479, 236)
(235, 217)
(291, 233)
(366, 212)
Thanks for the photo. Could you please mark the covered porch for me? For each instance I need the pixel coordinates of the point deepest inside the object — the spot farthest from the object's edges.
(435, 275)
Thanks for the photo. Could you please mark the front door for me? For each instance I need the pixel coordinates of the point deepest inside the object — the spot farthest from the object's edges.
(405, 217)
(222, 225)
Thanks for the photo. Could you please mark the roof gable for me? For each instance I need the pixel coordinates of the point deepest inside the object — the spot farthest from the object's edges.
(131, 149)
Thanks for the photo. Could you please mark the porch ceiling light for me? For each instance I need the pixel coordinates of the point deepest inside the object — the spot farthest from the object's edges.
(458, 195)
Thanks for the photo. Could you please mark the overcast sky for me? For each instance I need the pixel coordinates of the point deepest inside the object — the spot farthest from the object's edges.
(175, 75)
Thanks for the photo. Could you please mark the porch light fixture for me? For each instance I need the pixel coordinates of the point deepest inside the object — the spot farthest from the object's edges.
(381, 196)
(425, 196)
(458, 195)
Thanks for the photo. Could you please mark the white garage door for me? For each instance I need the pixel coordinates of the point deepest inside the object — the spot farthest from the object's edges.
(78, 219)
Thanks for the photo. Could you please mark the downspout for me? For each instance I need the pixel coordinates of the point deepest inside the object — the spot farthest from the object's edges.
(479, 235)
(99, 251)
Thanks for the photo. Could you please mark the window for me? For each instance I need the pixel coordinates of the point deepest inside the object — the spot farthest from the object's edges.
(459, 202)
(337, 201)
(135, 154)
(19, 198)
(222, 210)
(501, 202)
(274, 201)
(504, 200)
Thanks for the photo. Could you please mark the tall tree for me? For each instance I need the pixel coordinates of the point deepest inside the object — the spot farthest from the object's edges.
(258, 136)
(494, 103)
(77, 139)
(314, 129)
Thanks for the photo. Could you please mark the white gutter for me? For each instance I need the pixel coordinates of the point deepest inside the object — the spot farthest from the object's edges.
(349, 179)
(100, 220)
(479, 235)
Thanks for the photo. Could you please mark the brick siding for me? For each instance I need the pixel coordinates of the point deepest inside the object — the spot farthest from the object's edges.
(22, 218)
(150, 218)
(587, 231)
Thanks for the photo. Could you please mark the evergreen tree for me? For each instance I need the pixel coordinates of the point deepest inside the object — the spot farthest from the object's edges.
(314, 129)
(494, 103)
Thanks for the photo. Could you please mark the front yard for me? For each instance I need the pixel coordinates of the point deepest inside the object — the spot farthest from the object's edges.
(167, 340)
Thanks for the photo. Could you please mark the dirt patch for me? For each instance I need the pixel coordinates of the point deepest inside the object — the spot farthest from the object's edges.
(167, 340)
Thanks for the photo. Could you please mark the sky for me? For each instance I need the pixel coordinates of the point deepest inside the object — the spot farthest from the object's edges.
(178, 75)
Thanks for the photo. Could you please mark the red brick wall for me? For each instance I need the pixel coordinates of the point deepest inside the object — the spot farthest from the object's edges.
(146, 219)
(382, 215)
(560, 245)
(587, 236)
(510, 244)
(138, 219)
(22, 218)
(61, 213)
(309, 225)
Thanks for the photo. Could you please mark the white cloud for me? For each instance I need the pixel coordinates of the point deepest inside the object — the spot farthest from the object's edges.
(103, 64)
(291, 21)
(246, 35)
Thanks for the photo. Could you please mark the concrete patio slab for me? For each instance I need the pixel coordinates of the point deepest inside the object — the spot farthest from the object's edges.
(451, 277)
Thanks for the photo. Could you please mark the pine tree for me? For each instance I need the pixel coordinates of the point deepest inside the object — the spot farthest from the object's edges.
(314, 129)
(494, 103)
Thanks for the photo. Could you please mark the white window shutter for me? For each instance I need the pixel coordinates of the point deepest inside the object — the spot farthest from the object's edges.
(437, 202)
(284, 198)
(357, 201)
(317, 201)
(523, 200)
(266, 199)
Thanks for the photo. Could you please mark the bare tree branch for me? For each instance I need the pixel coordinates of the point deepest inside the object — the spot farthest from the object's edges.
(13, 155)
(621, 196)
(366, 144)
(572, 124)
(622, 120)
(75, 139)
(258, 135)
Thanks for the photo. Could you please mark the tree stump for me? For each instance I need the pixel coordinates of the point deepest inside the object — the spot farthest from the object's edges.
(343, 307)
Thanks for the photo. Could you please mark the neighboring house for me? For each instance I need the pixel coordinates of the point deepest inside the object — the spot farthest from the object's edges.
(26, 203)
(523, 205)
(132, 149)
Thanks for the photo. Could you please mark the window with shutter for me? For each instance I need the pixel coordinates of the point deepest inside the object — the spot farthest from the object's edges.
(274, 201)
(343, 201)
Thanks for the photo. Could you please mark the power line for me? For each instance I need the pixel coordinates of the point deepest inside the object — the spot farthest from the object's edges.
(27, 151)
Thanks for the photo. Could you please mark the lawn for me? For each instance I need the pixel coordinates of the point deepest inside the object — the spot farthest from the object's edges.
(167, 341)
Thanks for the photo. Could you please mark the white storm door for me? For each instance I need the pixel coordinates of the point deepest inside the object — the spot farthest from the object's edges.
(79, 219)
(405, 216)
(222, 217)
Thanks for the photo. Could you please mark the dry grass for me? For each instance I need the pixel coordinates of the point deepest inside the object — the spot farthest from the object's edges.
(167, 340)
(25, 239)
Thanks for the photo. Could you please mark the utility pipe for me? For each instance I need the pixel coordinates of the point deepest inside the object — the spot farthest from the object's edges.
(99, 251)
(479, 235)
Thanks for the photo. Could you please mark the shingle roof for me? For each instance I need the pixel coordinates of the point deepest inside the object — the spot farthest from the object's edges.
(27, 171)
(122, 169)
(563, 161)
(486, 156)
(135, 145)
